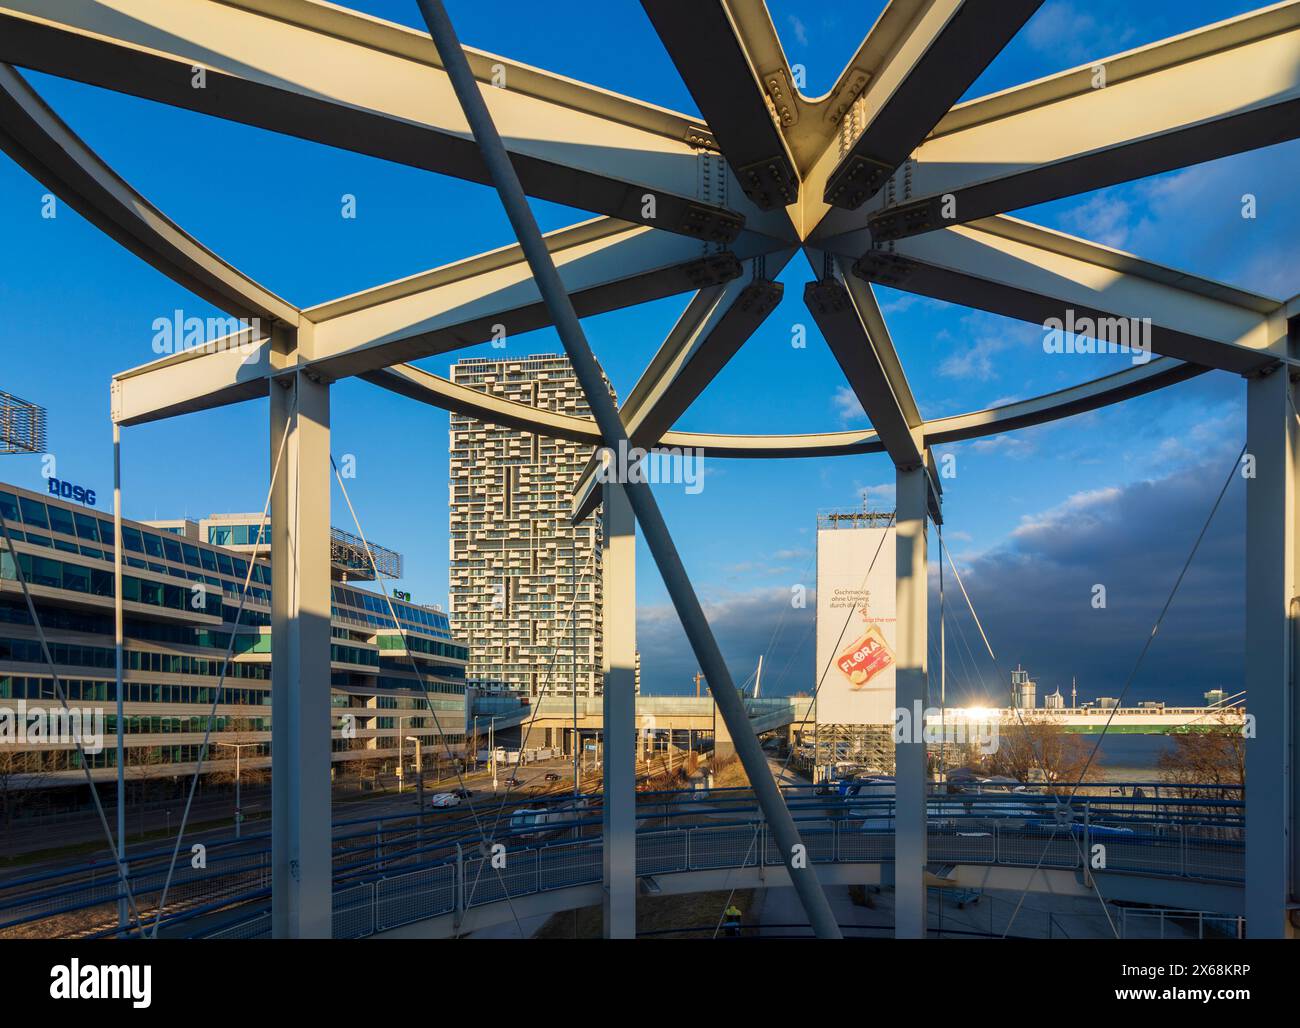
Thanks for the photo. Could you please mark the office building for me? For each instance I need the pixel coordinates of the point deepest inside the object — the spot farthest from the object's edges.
(180, 599)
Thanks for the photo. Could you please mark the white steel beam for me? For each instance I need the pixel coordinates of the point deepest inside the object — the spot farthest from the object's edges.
(946, 46)
(1272, 613)
(618, 620)
(704, 44)
(821, 121)
(911, 691)
(427, 388)
(1079, 399)
(851, 322)
(41, 143)
(1219, 90)
(605, 264)
(301, 864)
(796, 115)
(714, 326)
(1023, 271)
(224, 371)
(336, 76)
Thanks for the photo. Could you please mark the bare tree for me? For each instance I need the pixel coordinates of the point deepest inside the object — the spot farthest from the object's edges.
(21, 775)
(237, 731)
(142, 764)
(1214, 755)
(1041, 748)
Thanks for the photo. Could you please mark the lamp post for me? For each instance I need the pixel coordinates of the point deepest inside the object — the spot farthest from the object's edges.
(238, 747)
(401, 775)
(419, 786)
(492, 748)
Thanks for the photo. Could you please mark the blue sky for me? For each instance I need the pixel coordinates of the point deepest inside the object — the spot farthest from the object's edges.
(1033, 517)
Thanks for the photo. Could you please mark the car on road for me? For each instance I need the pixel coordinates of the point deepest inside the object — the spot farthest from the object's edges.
(513, 781)
(445, 799)
(551, 776)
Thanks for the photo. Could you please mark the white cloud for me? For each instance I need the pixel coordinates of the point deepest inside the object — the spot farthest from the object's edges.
(1076, 36)
(847, 407)
(1009, 444)
(883, 495)
(974, 360)
(1104, 218)
(794, 554)
(800, 30)
(1089, 507)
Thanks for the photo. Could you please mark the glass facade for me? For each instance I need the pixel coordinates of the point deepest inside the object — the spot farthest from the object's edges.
(182, 597)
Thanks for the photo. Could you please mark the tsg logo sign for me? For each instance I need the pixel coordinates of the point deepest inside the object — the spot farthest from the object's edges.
(68, 491)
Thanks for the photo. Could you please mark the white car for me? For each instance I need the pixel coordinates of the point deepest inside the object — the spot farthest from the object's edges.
(445, 799)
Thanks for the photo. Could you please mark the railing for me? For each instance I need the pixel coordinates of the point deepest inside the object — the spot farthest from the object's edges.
(1140, 924)
(1185, 838)
(647, 706)
(470, 881)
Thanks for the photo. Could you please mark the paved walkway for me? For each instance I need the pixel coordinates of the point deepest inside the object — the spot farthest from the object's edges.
(1040, 916)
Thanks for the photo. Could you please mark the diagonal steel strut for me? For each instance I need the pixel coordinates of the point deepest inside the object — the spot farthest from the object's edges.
(687, 604)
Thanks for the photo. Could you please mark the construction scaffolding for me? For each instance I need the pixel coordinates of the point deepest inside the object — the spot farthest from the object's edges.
(349, 552)
(855, 518)
(22, 425)
(822, 749)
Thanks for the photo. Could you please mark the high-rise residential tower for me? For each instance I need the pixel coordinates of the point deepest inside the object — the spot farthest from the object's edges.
(516, 561)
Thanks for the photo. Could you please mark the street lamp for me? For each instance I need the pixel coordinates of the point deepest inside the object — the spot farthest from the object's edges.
(401, 776)
(238, 747)
(492, 749)
(419, 789)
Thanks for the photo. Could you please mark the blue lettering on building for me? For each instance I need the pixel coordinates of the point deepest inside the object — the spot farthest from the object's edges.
(68, 491)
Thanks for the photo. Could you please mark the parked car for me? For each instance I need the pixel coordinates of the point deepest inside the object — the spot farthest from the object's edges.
(445, 799)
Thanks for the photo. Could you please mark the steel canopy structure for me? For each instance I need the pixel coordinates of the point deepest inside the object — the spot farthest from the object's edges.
(885, 180)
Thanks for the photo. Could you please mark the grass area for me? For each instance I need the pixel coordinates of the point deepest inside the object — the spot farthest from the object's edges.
(656, 913)
(730, 774)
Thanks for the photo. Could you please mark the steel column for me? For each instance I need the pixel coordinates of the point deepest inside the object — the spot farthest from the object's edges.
(1271, 586)
(123, 914)
(301, 897)
(618, 569)
(660, 543)
(913, 493)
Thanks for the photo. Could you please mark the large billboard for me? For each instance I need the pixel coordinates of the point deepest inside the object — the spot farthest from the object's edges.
(856, 626)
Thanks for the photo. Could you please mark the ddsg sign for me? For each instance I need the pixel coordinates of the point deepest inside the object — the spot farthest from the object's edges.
(68, 491)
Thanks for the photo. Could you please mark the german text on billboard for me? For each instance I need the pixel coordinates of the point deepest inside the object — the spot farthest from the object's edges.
(855, 626)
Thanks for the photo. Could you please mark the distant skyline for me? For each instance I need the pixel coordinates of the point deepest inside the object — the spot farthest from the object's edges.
(1034, 518)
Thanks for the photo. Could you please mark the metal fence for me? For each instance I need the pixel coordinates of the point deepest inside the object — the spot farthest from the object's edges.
(1179, 924)
(476, 880)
